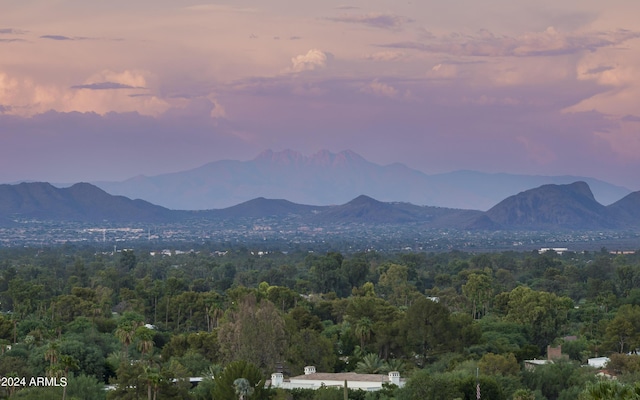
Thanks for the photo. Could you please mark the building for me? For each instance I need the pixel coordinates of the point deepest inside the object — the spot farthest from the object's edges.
(553, 353)
(315, 380)
(598, 362)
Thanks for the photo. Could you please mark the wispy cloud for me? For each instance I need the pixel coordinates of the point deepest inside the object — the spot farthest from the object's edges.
(631, 118)
(11, 31)
(547, 43)
(600, 69)
(11, 40)
(376, 20)
(56, 37)
(385, 56)
(106, 86)
(221, 8)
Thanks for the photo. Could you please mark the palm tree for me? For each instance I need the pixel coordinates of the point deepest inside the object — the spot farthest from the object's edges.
(370, 364)
(153, 378)
(125, 334)
(243, 388)
(51, 354)
(67, 362)
(364, 328)
(393, 365)
(145, 339)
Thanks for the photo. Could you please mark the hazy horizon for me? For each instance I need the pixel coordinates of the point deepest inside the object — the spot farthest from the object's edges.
(108, 91)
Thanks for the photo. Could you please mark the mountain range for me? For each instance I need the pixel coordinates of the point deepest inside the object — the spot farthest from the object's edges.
(327, 178)
(548, 207)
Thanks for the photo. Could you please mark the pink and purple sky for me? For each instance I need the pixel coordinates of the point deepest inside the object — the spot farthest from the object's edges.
(106, 90)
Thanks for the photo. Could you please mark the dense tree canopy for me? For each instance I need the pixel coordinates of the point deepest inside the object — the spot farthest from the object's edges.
(446, 321)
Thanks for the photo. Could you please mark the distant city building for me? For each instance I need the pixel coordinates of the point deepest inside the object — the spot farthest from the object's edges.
(558, 250)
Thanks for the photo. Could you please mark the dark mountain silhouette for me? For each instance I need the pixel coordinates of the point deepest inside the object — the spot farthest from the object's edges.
(262, 207)
(327, 178)
(80, 202)
(548, 207)
(364, 209)
(553, 206)
(627, 209)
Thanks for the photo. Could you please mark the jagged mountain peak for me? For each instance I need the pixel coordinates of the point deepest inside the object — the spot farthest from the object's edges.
(284, 157)
(580, 188)
(343, 158)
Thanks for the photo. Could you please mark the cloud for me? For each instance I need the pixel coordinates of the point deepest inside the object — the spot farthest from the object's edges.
(386, 56)
(27, 97)
(11, 31)
(11, 40)
(73, 38)
(313, 60)
(376, 20)
(221, 8)
(600, 69)
(295, 38)
(127, 78)
(347, 7)
(546, 43)
(56, 37)
(4, 109)
(106, 86)
(631, 118)
(380, 89)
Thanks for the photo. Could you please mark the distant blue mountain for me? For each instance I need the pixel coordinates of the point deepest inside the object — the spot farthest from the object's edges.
(327, 178)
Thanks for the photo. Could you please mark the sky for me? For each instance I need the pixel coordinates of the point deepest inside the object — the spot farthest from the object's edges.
(97, 90)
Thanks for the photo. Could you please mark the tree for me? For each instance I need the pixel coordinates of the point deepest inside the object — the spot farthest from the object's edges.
(52, 353)
(498, 364)
(144, 336)
(370, 364)
(326, 273)
(479, 290)
(426, 328)
(558, 380)
(226, 383)
(395, 287)
(610, 390)
(254, 332)
(363, 330)
(153, 378)
(126, 333)
(542, 312)
(624, 329)
(309, 347)
(67, 363)
(524, 394)
(243, 388)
